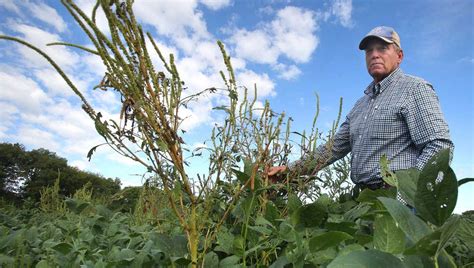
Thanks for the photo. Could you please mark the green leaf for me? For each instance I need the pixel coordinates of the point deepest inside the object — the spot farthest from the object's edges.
(294, 203)
(465, 231)
(426, 245)
(91, 152)
(387, 175)
(173, 246)
(248, 205)
(231, 261)
(327, 240)
(180, 261)
(224, 241)
(6, 261)
(271, 212)
(281, 262)
(63, 248)
(262, 221)
(286, 232)
(357, 212)
(364, 259)
(387, 236)
(350, 248)
(320, 257)
(127, 254)
(222, 108)
(370, 196)
(311, 215)
(363, 239)
(448, 229)
(465, 180)
(411, 225)
(432, 244)
(241, 176)
(248, 165)
(407, 181)
(238, 246)
(437, 189)
(211, 260)
(43, 264)
(345, 226)
(261, 229)
(415, 261)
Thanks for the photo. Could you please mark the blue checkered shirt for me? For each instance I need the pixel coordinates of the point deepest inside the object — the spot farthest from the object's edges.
(400, 117)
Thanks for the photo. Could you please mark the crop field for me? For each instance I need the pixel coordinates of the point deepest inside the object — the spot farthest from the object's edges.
(235, 215)
(371, 230)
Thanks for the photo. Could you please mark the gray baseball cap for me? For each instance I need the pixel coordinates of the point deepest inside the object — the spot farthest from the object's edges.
(387, 34)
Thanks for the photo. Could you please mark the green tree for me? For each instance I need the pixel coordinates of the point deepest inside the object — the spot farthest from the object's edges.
(43, 168)
(12, 172)
(23, 174)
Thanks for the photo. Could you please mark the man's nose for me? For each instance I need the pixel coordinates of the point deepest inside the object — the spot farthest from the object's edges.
(374, 54)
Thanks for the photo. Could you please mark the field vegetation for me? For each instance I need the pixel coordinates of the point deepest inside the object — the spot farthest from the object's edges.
(233, 215)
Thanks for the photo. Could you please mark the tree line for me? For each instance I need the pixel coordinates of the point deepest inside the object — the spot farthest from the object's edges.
(24, 173)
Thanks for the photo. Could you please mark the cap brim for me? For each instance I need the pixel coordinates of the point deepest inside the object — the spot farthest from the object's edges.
(365, 41)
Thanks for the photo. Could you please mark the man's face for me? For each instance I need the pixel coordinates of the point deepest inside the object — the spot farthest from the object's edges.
(382, 58)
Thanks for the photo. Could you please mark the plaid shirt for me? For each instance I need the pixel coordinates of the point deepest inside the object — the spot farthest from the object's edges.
(400, 117)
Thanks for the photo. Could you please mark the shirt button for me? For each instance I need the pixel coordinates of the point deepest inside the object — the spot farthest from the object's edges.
(360, 136)
(365, 117)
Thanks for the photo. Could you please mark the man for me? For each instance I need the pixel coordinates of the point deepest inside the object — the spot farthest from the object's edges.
(399, 116)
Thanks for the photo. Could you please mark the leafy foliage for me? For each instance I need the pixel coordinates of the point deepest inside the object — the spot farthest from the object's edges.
(24, 174)
(375, 230)
(233, 216)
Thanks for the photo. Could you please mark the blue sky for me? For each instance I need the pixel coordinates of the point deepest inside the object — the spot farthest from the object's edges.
(291, 49)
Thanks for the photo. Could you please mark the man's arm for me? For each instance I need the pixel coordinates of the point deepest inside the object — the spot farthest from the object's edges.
(428, 129)
(326, 154)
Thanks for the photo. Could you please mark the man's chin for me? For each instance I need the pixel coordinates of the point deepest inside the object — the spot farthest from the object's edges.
(377, 75)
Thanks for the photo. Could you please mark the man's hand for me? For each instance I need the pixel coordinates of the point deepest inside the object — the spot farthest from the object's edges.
(274, 173)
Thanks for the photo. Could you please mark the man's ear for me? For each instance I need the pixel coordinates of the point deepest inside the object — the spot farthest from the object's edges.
(400, 56)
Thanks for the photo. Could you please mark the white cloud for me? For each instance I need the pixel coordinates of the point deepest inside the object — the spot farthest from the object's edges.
(37, 138)
(291, 34)
(53, 82)
(216, 4)
(172, 19)
(196, 115)
(122, 159)
(47, 14)
(9, 115)
(23, 92)
(256, 46)
(265, 86)
(342, 9)
(63, 56)
(94, 64)
(80, 164)
(294, 30)
(107, 100)
(287, 72)
(10, 5)
(267, 10)
(165, 51)
(86, 6)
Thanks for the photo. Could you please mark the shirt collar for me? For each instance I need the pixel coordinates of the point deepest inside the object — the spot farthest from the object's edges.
(376, 88)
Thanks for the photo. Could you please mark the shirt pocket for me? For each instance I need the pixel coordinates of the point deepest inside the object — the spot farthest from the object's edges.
(387, 123)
